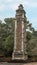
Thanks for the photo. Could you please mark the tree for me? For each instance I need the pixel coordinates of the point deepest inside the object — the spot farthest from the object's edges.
(29, 26)
(35, 33)
(1, 39)
(9, 36)
(8, 45)
(31, 47)
(6, 30)
(28, 36)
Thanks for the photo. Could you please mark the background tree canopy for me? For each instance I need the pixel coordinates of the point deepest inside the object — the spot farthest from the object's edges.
(7, 37)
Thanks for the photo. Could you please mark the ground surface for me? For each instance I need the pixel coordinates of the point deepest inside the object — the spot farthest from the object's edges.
(5, 63)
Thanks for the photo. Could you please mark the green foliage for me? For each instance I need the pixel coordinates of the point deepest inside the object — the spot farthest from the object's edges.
(8, 45)
(7, 34)
(28, 36)
(7, 37)
(32, 46)
(35, 33)
(1, 39)
(29, 26)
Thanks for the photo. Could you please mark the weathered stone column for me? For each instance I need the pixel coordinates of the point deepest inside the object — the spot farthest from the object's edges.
(20, 35)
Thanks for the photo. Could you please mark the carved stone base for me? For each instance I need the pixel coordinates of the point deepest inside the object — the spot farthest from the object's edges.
(19, 56)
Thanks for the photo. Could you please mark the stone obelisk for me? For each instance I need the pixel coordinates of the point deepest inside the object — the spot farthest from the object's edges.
(20, 35)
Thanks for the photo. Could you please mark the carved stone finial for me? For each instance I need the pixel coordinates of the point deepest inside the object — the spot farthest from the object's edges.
(20, 6)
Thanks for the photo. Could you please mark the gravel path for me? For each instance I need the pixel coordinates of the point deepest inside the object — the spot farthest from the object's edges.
(5, 63)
